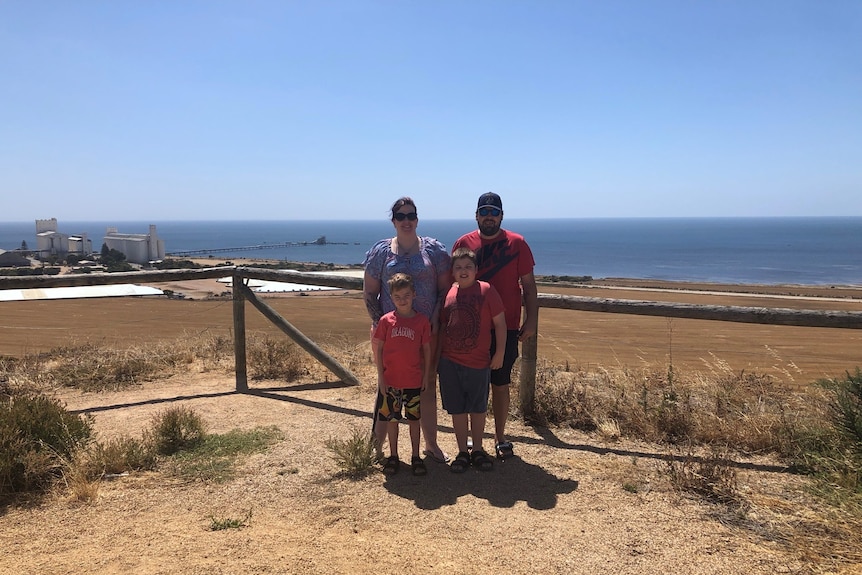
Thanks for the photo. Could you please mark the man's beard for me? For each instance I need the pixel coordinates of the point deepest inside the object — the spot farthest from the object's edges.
(489, 227)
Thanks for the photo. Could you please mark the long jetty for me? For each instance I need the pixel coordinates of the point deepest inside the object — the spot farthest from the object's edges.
(321, 241)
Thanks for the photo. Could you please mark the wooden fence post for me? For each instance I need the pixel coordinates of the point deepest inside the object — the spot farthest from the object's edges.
(239, 333)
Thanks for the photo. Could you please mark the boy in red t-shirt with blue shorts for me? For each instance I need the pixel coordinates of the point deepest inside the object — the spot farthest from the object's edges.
(470, 311)
(403, 357)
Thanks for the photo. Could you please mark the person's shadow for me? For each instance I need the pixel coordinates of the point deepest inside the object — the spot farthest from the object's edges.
(511, 481)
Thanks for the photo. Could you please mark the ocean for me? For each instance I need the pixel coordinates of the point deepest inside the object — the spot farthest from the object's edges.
(807, 251)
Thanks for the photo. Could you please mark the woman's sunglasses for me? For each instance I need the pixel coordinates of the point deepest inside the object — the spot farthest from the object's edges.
(401, 217)
(494, 212)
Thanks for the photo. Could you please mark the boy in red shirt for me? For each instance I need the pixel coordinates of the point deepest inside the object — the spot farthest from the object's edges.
(403, 352)
(470, 311)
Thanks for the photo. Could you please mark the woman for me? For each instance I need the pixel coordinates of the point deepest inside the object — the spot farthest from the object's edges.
(427, 262)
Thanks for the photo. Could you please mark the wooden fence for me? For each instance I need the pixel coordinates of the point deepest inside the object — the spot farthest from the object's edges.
(241, 293)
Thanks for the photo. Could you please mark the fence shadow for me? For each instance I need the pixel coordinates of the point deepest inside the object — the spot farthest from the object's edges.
(552, 440)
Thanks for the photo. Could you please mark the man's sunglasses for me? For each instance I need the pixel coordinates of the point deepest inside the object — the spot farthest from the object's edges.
(401, 217)
(490, 212)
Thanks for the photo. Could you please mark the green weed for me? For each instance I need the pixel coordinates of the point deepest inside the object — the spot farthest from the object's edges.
(355, 455)
(213, 458)
(220, 524)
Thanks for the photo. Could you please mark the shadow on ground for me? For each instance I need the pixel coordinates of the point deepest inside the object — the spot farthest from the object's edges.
(511, 481)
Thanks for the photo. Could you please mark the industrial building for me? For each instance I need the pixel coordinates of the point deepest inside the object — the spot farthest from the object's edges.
(138, 248)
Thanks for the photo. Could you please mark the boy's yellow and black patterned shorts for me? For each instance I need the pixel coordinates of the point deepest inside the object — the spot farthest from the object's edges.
(390, 406)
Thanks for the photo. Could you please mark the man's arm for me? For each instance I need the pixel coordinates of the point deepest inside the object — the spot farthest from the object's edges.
(531, 307)
(500, 334)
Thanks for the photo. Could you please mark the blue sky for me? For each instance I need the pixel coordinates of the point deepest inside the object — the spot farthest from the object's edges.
(208, 110)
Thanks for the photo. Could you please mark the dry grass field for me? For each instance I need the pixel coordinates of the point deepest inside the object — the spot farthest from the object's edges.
(571, 502)
(582, 339)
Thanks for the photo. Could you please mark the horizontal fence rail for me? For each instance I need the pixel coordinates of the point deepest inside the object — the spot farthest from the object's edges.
(162, 276)
(742, 314)
(102, 278)
(240, 274)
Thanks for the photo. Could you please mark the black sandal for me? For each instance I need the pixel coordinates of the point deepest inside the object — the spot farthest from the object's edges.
(505, 450)
(392, 465)
(460, 463)
(481, 461)
(418, 466)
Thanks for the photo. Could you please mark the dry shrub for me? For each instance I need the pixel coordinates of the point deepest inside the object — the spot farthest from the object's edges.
(352, 355)
(845, 407)
(117, 455)
(711, 477)
(274, 358)
(215, 352)
(176, 428)
(829, 539)
(566, 397)
(101, 367)
(608, 428)
(829, 443)
(82, 487)
(752, 412)
(37, 435)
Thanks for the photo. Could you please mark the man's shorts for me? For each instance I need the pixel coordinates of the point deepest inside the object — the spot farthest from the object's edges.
(389, 406)
(503, 376)
(463, 389)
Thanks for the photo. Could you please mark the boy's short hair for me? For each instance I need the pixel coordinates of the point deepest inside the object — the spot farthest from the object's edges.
(464, 253)
(400, 281)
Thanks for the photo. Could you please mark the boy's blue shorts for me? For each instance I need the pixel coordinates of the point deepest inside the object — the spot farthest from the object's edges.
(463, 389)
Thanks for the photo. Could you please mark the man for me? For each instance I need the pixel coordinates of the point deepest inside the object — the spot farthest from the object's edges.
(506, 262)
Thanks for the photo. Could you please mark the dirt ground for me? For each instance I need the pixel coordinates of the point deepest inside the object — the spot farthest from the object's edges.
(565, 505)
(561, 506)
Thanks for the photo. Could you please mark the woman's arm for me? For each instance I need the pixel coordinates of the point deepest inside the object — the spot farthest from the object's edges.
(444, 282)
(371, 289)
(427, 363)
(378, 352)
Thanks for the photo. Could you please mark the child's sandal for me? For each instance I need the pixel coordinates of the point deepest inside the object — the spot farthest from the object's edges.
(481, 461)
(391, 466)
(418, 466)
(461, 463)
(505, 450)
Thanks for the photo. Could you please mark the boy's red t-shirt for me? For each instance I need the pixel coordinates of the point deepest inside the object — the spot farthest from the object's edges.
(403, 338)
(466, 321)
